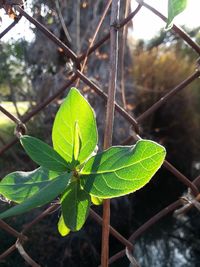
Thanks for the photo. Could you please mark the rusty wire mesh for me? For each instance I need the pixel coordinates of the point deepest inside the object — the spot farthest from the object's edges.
(181, 205)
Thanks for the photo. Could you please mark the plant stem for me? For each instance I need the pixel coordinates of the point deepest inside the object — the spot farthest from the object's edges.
(109, 121)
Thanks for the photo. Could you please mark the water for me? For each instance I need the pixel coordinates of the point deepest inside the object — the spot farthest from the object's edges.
(171, 243)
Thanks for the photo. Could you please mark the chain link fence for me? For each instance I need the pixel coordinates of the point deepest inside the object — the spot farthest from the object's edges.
(182, 205)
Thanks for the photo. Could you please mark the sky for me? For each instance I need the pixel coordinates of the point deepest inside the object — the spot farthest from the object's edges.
(145, 24)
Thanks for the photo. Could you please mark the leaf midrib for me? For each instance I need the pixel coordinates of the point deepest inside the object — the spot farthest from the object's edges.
(117, 169)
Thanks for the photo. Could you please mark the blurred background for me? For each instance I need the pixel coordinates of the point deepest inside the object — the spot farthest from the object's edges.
(154, 61)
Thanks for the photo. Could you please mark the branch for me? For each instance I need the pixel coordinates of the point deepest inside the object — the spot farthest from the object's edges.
(110, 120)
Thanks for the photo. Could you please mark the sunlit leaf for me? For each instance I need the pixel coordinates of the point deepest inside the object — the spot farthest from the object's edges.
(121, 170)
(74, 109)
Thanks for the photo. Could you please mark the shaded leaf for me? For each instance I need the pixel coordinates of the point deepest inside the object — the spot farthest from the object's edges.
(75, 108)
(43, 154)
(175, 7)
(121, 170)
(75, 204)
(77, 144)
(18, 186)
(42, 197)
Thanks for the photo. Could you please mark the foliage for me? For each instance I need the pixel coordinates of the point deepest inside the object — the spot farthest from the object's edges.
(71, 168)
(156, 66)
(12, 64)
(169, 39)
(159, 66)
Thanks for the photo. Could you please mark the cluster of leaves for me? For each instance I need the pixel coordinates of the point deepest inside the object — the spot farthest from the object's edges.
(74, 172)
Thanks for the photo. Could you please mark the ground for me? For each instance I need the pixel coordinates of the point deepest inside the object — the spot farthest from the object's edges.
(6, 125)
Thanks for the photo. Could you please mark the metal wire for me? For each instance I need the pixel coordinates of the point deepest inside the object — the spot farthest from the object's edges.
(184, 206)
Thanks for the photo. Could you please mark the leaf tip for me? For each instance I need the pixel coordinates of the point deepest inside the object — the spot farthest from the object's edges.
(74, 90)
(96, 200)
(62, 228)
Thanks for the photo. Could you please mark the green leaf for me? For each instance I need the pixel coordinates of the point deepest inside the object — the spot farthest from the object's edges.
(42, 197)
(43, 154)
(121, 170)
(75, 204)
(175, 7)
(18, 186)
(77, 144)
(74, 109)
(62, 228)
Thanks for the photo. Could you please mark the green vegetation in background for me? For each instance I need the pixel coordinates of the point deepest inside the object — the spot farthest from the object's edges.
(13, 80)
(6, 125)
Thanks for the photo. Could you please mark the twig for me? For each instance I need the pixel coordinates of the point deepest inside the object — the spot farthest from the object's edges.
(109, 121)
(78, 26)
(122, 52)
(62, 21)
(107, 36)
(94, 38)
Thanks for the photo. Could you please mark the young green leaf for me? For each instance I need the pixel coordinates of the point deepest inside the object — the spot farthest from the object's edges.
(62, 228)
(43, 154)
(175, 7)
(121, 170)
(42, 197)
(74, 109)
(18, 186)
(76, 145)
(75, 204)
